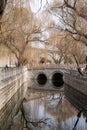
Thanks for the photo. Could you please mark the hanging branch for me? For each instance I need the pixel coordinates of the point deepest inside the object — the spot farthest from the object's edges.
(78, 67)
(34, 123)
(78, 116)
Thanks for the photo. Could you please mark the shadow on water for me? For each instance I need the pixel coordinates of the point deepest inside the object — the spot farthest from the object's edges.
(48, 110)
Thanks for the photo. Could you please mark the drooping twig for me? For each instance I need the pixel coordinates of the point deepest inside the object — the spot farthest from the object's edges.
(78, 116)
(34, 123)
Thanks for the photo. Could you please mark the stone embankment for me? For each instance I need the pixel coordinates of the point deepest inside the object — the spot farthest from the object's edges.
(76, 81)
(76, 90)
(13, 87)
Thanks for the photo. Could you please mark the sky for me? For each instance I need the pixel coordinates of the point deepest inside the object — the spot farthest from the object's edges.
(38, 7)
(39, 4)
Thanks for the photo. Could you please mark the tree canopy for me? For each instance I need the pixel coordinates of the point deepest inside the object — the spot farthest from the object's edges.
(65, 31)
(72, 17)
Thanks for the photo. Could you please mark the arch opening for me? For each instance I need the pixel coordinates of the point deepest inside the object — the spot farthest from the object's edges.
(42, 79)
(57, 79)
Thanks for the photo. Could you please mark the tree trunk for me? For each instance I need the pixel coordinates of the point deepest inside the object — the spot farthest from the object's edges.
(2, 6)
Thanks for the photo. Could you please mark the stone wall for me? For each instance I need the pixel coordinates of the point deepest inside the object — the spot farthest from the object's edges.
(75, 90)
(76, 98)
(12, 91)
(77, 82)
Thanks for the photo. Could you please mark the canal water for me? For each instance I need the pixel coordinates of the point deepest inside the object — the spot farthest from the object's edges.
(42, 109)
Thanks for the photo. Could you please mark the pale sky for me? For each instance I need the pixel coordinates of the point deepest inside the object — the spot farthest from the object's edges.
(39, 4)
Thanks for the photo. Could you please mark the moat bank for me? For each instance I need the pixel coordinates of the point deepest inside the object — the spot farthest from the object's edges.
(12, 91)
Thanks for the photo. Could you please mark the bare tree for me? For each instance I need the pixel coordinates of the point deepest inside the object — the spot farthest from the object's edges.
(73, 17)
(2, 6)
(18, 30)
(66, 49)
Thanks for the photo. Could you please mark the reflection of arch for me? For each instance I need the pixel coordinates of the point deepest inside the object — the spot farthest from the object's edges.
(42, 78)
(57, 79)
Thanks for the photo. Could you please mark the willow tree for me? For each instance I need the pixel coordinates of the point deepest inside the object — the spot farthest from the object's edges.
(18, 29)
(2, 6)
(72, 19)
(66, 49)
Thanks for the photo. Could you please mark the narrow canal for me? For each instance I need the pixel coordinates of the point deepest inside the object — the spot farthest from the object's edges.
(47, 110)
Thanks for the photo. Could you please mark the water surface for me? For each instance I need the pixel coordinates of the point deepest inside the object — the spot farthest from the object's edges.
(48, 110)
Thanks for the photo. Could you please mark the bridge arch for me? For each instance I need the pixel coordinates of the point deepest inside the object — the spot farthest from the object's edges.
(57, 79)
(41, 78)
(52, 76)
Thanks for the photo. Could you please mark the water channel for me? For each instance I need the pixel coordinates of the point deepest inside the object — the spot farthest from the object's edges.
(42, 109)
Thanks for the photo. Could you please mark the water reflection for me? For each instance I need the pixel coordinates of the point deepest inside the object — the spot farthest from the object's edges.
(49, 110)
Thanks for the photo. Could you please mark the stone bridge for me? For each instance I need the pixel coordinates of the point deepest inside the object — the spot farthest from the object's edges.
(45, 73)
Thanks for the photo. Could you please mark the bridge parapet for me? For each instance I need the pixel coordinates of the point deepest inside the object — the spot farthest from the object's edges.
(50, 66)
